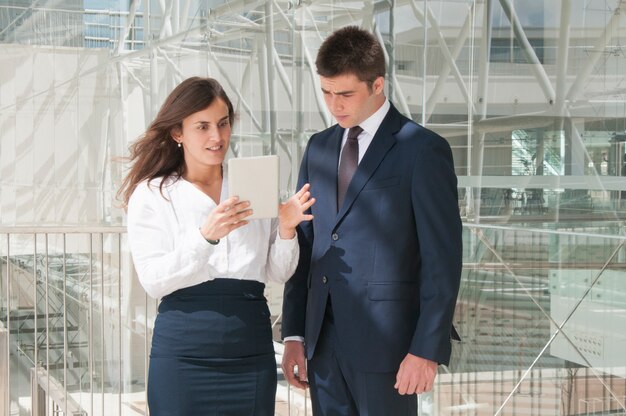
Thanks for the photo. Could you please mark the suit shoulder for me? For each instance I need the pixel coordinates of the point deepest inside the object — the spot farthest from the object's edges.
(420, 136)
(323, 135)
(327, 132)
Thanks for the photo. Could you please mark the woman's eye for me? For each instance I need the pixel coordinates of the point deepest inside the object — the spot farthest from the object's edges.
(224, 124)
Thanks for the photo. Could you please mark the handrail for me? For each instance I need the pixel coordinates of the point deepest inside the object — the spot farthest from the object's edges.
(544, 231)
(112, 229)
(62, 229)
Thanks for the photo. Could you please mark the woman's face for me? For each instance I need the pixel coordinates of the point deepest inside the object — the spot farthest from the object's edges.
(205, 136)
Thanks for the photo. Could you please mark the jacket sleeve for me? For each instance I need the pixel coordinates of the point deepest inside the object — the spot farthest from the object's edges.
(439, 230)
(296, 288)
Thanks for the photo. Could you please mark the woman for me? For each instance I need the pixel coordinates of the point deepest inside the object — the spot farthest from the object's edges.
(212, 351)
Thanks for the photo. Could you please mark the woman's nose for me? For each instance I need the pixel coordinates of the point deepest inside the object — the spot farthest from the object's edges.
(213, 132)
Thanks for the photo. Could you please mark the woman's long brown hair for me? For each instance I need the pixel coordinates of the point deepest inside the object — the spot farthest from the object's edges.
(156, 154)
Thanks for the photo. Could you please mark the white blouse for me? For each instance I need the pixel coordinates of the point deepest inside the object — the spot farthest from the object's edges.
(169, 252)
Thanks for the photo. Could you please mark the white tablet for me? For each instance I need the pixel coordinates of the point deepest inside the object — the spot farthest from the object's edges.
(255, 179)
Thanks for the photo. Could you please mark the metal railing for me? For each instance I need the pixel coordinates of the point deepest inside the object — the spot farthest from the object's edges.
(78, 325)
(4, 366)
(75, 325)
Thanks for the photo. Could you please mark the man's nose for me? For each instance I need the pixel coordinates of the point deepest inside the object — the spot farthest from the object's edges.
(335, 102)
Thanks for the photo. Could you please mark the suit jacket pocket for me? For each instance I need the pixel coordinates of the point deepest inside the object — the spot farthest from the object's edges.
(381, 183)
(392, 291)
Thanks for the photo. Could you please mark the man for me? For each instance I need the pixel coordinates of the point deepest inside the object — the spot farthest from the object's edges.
(374, 293)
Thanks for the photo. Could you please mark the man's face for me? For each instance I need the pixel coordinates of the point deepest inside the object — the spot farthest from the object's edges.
(350, 100)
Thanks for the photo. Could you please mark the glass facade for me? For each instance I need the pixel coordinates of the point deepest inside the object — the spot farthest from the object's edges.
(531, 95)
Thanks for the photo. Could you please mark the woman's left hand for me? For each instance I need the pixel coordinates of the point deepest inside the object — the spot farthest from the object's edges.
(292, 212)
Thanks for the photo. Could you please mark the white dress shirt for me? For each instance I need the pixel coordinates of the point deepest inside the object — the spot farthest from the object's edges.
(370, 127)
(170, 253)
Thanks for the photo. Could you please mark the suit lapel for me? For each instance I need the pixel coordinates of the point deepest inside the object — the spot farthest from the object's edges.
(378, 148)
(329, 164)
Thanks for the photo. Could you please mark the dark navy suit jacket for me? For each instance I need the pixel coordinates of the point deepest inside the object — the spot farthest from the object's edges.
(390, 257)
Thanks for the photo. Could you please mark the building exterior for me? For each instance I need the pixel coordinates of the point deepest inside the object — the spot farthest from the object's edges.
(531, 96)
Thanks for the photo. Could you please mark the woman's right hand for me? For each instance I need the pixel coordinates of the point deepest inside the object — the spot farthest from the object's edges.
(229, 215)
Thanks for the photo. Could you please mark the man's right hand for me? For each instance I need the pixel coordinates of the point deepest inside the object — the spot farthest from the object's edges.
(293, 357)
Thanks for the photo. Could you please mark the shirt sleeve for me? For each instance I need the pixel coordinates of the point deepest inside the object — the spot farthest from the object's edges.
(282, 258)
(293, 338)
(163, 262)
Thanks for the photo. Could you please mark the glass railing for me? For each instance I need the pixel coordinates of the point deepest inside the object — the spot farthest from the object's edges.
(541, 312)
(75, 326)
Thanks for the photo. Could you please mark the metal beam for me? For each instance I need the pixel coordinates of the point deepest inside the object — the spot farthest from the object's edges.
(166, 27)
(476, 152)
(596, 53)
(445, 71)
(270, 51)
(242, 91)
(562, 55)
(4, 365)
(5, 338)
(426, 17)
(398, 98)
(529, 52)
(30, 8)
(263, 84)
(391, 64)
(485, 58)
(134, 4)
(319, 99)
(184, 15)
(282, 74)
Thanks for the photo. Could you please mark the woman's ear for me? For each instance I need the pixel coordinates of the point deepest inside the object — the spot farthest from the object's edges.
(176, 134)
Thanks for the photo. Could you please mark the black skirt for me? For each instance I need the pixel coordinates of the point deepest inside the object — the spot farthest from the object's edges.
(212, 352)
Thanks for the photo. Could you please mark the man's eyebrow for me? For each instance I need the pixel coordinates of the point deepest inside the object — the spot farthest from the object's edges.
(339, 92)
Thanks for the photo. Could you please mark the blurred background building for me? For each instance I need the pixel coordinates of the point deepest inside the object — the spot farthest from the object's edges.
(531, 96)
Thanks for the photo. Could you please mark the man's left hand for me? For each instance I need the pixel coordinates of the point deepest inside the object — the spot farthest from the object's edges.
(416, 375)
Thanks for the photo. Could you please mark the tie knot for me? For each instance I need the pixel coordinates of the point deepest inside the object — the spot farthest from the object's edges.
(354, 132)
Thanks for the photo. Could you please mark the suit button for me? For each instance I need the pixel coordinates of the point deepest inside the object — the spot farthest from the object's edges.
(335, 236)
(325, 279)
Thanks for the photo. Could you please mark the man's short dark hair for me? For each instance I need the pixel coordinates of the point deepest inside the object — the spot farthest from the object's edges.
(351, 50)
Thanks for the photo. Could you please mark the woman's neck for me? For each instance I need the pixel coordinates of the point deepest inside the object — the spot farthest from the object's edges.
(204, 176)
(207, 180)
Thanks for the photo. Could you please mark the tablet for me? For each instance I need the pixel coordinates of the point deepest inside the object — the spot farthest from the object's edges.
(255, 179)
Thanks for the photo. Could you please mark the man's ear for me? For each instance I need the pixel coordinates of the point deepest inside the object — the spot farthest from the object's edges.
(379, 85)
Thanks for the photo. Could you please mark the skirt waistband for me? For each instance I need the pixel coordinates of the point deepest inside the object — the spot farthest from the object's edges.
(221, 287)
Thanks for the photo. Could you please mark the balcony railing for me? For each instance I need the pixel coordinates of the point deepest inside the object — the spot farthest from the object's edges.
(540, 311)
(75, 326)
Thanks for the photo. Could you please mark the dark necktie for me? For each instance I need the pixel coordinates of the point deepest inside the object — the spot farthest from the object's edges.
(348, 163)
